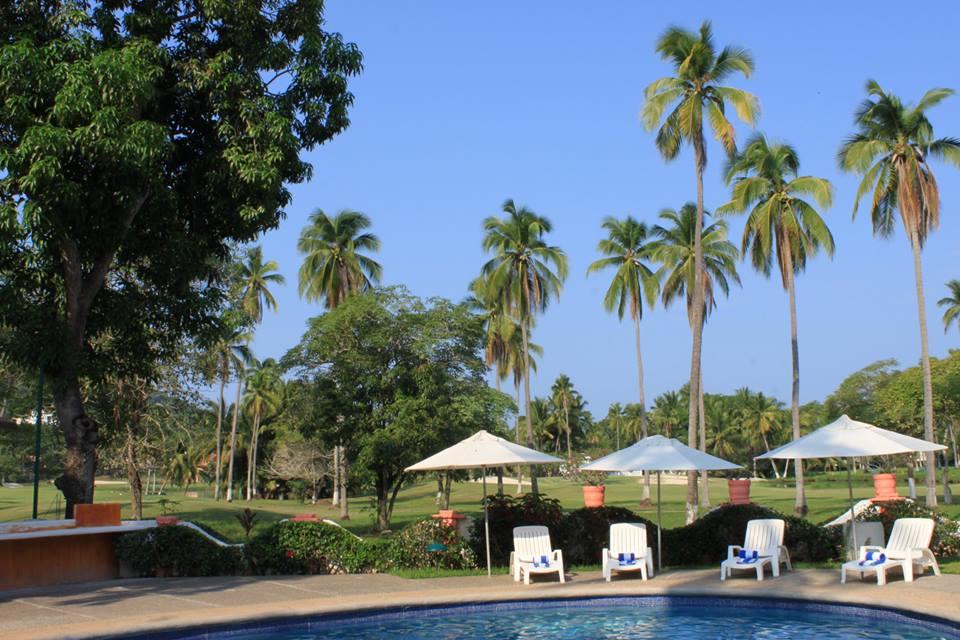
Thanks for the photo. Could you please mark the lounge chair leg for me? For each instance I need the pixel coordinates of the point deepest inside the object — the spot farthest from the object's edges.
(881, 576)
(563, 577)
(760, 573)
(526, 577)
(908, 571)
(843, 575)
(723, 573)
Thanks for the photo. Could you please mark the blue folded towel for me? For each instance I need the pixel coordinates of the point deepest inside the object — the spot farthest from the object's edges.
(747, 556)
(544, 562)
(626, 558)
(873, 558)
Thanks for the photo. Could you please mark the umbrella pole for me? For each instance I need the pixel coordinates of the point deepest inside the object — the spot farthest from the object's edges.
(659, 541)
(486, 520)
(853, 520)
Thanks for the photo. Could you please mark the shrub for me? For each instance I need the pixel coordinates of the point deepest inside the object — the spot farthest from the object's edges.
(946, 532)
(408, 549)
(505, 513)
(178, 551)
(584, 533)
(309, 547)
(705, 541)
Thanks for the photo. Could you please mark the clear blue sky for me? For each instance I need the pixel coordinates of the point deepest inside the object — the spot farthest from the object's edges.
(462, 105)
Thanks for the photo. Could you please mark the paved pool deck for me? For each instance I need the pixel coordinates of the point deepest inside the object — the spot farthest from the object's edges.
(124, 607)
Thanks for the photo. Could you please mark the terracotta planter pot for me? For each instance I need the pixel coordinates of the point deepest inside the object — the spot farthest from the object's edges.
(166, 521)
(593, 497)
(739, 491)
(102, 514)
(885, 487)
(448, 517)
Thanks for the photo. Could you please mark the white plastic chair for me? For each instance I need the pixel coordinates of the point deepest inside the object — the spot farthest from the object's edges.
(909, 547)
(533, 553)
(765, 537)
(628, 550)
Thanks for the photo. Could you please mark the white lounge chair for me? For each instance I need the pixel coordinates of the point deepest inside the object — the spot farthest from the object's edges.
(628, 550)
(533, 553)
(762, 545)
(908, 548)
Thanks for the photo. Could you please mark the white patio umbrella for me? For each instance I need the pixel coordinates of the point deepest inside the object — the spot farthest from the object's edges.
(480, 451)
(848, 438)
(658, 453)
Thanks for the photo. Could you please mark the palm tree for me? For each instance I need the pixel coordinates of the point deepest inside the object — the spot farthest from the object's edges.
(615, 417)
(784, 224)
(626, 247)
(952, 303)
(760, 416)
(230, 353)
(498, 326)
(520, 274)
(255, 277)
(563, 396)
(693, 89)
(333, 267)
(676, 249)
(668, 412)
(264, 394)
(891, 149)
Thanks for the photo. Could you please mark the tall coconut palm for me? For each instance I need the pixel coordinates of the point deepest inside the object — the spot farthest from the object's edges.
(676, 249)
(668, 412)
(760, 416)
(230, 353)
(333, 265)
(626, 248)
(498, 326)
(783, 224)
(525, 272)
(264, 395)
(615, 416)
(891, 149)
(563, 396)
(952, 303)
(692, 90)
(254, 278)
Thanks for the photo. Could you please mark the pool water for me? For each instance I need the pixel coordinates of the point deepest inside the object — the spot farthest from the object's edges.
(621, 618)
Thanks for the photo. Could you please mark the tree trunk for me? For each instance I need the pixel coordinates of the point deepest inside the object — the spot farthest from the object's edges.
(80, 435)
(800, 504)
(344, 471)
(701, 418)
(447, 486)
(500, 482)
(931, 466)
(133, 475)
(697, 326)
(336, 477)
(526, 402)
(953, 440)
(216, 489)
(438, 500)
(519, 469)
(233, 440)
(643, 402)
(566, 421)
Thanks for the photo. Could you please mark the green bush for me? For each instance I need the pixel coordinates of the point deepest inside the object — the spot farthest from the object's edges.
(584, 533)
(309, 547)
(505, 513)
(408, 549)
(705, 541)
(946, 532)
(176, 551)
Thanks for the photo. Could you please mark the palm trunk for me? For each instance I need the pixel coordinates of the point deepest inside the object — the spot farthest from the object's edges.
(255, 448)
(697, 327)
(931, 466)
(566, 421)
(519, 469)
(702, 419)
(526, 402)
(233, 440)
(643, 403)
(133, 475)
(336, 477)
(344, 470)
(216, 488)
(500, 482)
(800, 504)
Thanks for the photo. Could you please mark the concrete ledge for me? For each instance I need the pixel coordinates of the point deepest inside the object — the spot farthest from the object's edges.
(125, 607)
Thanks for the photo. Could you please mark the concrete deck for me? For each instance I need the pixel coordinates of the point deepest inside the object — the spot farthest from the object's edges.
(129, 606)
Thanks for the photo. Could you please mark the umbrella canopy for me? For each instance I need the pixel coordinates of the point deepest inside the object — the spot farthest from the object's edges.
(847, 438)
(657, 453)
(482, 449)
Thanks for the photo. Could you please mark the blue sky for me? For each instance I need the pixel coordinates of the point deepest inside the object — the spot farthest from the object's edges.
(462, 105)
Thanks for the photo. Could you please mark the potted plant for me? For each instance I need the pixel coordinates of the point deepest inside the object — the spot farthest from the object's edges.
(166, 507)
(739, 490)
(885, 484)
(594, 489)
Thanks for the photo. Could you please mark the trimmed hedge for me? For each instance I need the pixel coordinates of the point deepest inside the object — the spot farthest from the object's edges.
(705, 541)
(408, 549)
(310, 547)
(176, 551)
(507, 512)
(584, 533)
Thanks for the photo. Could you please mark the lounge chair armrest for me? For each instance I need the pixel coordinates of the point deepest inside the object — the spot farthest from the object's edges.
(733, 550)
(558, 555)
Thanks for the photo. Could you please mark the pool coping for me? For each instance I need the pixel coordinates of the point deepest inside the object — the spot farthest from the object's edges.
(804, 586)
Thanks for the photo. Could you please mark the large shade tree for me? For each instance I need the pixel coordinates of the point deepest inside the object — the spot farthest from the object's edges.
(782, 226)
(141, 141)
(626, 249)
(525, 273)
(891, 150)
(692, 92)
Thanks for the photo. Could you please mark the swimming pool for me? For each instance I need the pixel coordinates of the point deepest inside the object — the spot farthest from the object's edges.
(676, 618)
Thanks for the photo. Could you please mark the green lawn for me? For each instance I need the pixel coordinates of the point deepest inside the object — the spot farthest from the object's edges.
(826, 495)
